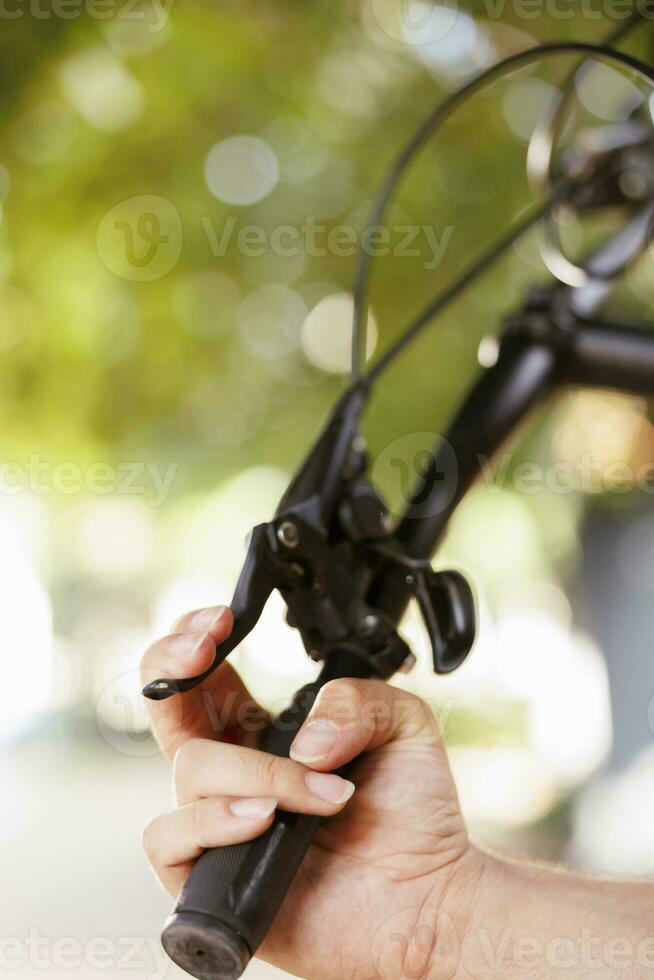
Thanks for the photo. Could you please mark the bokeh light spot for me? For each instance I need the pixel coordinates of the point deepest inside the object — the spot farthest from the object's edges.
(607, 93)
(327, 333)
(102, 90)
(241, 170)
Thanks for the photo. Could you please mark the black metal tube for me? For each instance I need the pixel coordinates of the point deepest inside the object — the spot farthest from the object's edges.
(606, 356)
(595, 354)
(524, 374)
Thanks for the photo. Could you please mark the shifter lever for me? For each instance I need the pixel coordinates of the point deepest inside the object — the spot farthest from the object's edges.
(447, 606)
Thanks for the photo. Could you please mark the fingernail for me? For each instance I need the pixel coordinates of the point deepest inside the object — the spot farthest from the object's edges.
(329, 787)
(186, 644)
(253, 808)
(207, 619)
(314, 741)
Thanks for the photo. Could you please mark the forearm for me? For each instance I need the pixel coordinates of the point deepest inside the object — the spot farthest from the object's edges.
(536, 922)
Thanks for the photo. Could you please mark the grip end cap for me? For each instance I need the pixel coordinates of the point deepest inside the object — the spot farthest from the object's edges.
(205, 947)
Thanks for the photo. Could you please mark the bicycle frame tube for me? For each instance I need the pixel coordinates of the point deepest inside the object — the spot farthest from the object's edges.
(528, 369)
(523, 375)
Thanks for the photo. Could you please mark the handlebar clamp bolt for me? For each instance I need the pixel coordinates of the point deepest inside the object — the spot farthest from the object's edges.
(288, 535)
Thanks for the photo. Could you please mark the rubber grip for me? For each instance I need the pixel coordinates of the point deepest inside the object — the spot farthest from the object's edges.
(233, 894)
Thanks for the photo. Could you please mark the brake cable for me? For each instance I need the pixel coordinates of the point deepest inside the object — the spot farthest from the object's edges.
(425, 132)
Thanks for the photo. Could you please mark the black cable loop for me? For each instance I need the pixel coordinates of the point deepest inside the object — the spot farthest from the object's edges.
(428, 128)
(542, 146)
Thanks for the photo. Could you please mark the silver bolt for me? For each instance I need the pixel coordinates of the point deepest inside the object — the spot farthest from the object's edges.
(368, 624)
(287, 534)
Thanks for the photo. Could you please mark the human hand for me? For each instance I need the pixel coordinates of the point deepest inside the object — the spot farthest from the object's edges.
(387, 887)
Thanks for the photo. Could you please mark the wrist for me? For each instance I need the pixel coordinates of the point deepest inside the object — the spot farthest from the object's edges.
(541, 922)
(449, 917)
(522, 922)
(422, 938)
(492, 926)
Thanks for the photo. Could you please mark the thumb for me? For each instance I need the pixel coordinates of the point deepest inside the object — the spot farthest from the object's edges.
(353, 716)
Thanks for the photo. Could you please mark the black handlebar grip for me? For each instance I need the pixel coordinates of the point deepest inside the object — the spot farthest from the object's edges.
(233, 894)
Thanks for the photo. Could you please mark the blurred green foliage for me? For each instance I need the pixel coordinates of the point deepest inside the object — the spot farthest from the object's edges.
(94, 364)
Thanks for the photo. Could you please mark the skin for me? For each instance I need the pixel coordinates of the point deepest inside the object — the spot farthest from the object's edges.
(392, 873)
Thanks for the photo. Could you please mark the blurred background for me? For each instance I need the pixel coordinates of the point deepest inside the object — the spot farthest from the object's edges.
(183, 189)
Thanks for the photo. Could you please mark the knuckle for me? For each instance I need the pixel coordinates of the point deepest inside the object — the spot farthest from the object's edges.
(199, 820)
(188, 620)
(269, 769)
(409, 701)
(345, 690)
(154, 655)
(344, 701)
(148, 660)
(184, 620)
(150, 839)
(419, 720)
(187, 757)
(207, 816)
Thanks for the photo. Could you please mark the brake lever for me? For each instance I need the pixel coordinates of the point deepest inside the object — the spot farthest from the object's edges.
(255, 584)
(312, 498)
